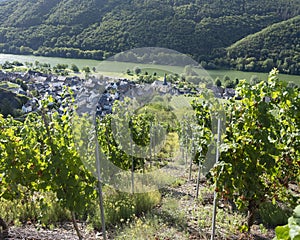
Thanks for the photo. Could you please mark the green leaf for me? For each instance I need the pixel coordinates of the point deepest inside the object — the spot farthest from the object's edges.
(297, 212)
(294, 226)
(282, 232)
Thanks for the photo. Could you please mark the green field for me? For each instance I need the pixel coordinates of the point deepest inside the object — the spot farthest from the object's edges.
(51, 60)
(247, 75)
(118, 69)
(8, 85)
(121, 67)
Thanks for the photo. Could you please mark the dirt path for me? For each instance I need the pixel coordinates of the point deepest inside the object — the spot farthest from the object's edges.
(63, 232)
(190, 217)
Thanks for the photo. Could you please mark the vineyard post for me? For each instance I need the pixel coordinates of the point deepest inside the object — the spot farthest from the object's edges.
(186, 145)
(199, 175)
(199, 169)
(150, 149)
(99, 181)
(155, 142)
(198, 178)
(215, 193)
(192, 155)
(182, 151)
(132, 165)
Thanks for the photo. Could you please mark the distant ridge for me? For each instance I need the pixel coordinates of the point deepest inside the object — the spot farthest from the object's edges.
(99, 28)
(275, 46)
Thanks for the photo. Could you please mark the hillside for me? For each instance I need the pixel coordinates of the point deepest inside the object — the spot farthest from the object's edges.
(275, 46)
(10, 103)
(98, 28)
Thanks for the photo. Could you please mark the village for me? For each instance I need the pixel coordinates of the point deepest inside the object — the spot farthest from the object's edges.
(94, 93)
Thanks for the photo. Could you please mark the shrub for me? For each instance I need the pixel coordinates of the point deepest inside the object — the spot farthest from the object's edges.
(273, 215)
(291, 231)
(121, 206)
(41, 207)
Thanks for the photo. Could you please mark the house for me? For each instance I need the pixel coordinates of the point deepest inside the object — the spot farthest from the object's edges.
(162, 87)
(218, 91)
(267, 99)
(56, 84)
(112, 85)
(229, 93)
(26, 108)
(124, 86)
(89, 84)
(93, 97)
(116, 96)
(2, 75)
(16, 90)
(61, 78)
(40, 79)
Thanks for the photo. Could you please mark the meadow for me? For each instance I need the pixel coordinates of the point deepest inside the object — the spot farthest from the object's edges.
(119, 69)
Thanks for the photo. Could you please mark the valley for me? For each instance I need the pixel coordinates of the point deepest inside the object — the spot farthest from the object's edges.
(214, 32)
(119, 69)
(149, 119)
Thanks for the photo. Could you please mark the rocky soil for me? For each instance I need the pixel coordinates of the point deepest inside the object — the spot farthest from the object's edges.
(184, 193)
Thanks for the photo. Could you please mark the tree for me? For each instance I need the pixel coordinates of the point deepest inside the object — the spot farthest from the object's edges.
(218, 82)
(17, 63)
(211, 66)
(25, 50)
(203, 64)
(226, 78)
(86, 69)
(254, 80)
(74, 68)
(189, 71)
(137, 70)
(61, 66)
(268, 64)
(237, 81)
(229, 84)
(37, 63)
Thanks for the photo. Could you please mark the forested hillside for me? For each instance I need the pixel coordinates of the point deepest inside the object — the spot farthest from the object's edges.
(275, 46)
(98, 28)
(11, 103)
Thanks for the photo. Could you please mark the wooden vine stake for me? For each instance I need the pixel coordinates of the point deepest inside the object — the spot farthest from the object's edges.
(215, 193)
(99, 182)
(132, 165)
(199, 171)
(199, 176)
(192, 157)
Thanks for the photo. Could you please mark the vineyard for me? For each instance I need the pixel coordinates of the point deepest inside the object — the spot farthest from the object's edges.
(48, 174)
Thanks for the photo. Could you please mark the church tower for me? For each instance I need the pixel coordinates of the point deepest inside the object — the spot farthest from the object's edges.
(165, 79)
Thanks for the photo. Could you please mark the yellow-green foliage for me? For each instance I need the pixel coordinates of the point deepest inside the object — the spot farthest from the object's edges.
(170, 147)
(45, 209)
(121, 206)
(41, 208)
